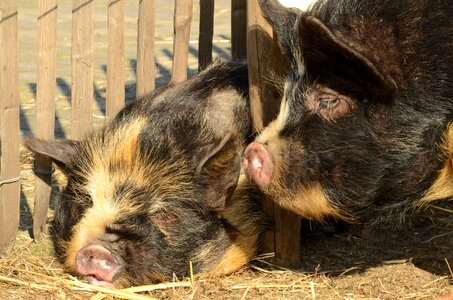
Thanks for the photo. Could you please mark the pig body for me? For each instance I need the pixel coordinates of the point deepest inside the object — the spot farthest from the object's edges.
(152, 190)
(365, 129)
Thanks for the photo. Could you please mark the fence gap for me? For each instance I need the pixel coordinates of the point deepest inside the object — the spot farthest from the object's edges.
(45, 108)
(82, 68)
(9, 125)
(146, 65)
(182, 20)
(115, 61)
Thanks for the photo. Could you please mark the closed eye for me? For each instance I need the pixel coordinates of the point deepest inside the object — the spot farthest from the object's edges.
(328, 103)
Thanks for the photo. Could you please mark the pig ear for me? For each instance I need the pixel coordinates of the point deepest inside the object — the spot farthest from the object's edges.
(220, 167)
(60, 151)
(330, 53)
(283, 22)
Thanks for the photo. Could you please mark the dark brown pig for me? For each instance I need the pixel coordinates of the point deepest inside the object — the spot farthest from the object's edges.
(151, 191)
(365, 129)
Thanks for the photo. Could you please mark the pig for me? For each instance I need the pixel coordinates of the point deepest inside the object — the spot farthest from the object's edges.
(153, 190)
(364, 133)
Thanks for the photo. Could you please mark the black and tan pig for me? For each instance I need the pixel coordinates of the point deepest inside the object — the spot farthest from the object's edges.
(365, 128)
(153, 190)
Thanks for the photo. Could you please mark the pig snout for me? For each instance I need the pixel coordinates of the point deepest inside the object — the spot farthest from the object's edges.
(99, 264)
(258, 165)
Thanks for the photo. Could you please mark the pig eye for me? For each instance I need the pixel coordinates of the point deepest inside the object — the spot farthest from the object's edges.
(164, 218)
(328, 103)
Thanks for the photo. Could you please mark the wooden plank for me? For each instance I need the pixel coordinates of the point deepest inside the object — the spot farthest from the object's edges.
(206, 33)
(146, 65)
(82, 68)
(182, 22)
(45, 108)
(9, 125)
(115, 65)
(265, 63)
(239, 29)
(287, 238)
(266, 66)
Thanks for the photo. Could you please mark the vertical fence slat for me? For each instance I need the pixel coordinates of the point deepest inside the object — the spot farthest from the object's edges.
(9, 124)
(82, 68)
(182, 20)
(205, 33)
(146, 69)
(45, 108)
(115, 65)
(239, 29)
(265, 59)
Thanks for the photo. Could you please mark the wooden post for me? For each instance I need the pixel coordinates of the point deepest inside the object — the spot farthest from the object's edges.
(146, 66)
(265, 62)
(115, 65)
(182, 20)
(82, 68)
(9, 125)
(239, 29)
(45, 108)
(205, 33)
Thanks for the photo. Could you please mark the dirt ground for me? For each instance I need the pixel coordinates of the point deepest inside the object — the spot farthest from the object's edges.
(413, 261)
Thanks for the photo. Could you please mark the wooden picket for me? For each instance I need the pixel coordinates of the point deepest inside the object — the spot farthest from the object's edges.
(45, 108)
(205, 33)
(82, 68)
(182, 20)
(265, 61)
(9, 124)
(146, 71)
(115, 65)
(238, 29)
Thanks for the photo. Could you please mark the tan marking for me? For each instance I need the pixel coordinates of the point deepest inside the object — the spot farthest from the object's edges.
(312, 203)
(270, 137)
(90, 228)
(442, 188)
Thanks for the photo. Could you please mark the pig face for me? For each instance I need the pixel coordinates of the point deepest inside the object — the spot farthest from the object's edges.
(146, 194)
(364, 132)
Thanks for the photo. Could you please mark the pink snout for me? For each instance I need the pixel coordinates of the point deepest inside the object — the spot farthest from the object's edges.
(258, 165)
(100, 265)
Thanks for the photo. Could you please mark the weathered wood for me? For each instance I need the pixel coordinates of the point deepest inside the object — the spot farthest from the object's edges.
(146, 65)
(182, 22)
(9, 125)
(45, 108)
(266, 67)
(206, 33)
(82, 68)
(287, 238)
(239, 29)
(115, 61)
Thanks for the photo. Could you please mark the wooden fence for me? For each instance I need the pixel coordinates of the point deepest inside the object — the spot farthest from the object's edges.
(284, 240)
